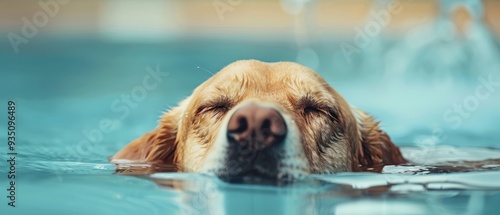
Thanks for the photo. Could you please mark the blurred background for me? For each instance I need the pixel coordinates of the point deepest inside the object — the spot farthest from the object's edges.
(89, 76)
(429, 70)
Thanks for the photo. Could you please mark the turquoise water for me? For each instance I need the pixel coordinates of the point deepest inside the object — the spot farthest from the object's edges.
(64, 88)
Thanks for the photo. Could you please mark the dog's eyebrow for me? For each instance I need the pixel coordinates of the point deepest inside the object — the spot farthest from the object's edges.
(220, 100)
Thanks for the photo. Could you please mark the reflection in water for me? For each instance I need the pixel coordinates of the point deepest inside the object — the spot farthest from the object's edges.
(426, 188)
(346, 193)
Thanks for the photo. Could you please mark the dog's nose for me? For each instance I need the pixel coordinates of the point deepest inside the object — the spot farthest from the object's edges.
(259, 126)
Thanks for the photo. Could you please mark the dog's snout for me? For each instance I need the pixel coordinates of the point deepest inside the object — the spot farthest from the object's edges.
(257, 125)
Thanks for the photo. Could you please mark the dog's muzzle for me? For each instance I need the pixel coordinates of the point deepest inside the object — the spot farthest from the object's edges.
(255, 134)
(256, 127)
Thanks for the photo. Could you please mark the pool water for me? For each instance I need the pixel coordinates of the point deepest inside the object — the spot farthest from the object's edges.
(65, 94)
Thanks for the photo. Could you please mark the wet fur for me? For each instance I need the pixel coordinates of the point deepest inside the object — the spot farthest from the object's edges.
(338, 138)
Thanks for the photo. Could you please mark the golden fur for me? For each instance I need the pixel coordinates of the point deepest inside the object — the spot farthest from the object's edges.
(329, 134)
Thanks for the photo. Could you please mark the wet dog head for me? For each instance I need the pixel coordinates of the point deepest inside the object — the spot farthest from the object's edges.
(260, 121)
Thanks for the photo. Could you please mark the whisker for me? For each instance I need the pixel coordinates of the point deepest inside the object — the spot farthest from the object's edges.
(206, 70)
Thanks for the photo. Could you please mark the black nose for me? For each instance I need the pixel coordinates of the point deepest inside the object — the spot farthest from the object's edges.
(256, 125)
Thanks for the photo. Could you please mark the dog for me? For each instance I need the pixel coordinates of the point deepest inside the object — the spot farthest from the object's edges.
(255, 121)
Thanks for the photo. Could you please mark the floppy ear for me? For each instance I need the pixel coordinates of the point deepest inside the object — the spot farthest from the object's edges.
(376, 148)
(159, 145)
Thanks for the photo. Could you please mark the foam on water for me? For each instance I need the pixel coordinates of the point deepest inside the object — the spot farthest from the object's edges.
(446, 154)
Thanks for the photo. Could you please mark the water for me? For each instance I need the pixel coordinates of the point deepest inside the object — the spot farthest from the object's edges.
(62, 96)
(64, 88)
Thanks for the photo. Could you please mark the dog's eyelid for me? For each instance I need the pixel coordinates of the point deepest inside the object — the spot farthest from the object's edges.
(308, 102)
(222, 104)
(327, 108)
(206, 108)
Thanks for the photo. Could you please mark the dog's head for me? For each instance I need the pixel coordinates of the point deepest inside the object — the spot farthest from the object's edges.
(255, 120)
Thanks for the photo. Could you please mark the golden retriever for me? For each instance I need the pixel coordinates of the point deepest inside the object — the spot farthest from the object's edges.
(256, 121)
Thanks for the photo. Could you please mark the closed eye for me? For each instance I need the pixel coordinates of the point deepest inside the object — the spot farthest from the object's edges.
(217, 109)
(217, 106)
(310, 107)
(307, 104)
